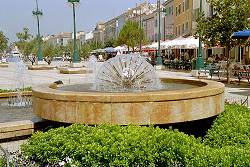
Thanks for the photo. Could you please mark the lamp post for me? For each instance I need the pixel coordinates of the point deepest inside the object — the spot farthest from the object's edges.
(199, 62)
(159, 58)
(38, 13)
(140, 30)
(75, 53)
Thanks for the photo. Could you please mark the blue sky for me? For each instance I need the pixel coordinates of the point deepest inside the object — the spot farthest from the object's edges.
(16, 14)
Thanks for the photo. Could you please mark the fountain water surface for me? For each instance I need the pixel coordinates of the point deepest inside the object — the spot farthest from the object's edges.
(127, 73)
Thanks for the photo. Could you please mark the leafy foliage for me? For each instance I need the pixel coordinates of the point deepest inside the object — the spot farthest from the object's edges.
(3, 42)
(130, 35)
(230, 16)
(27, 45)
(50, 51)
(11, 90)
(232, 128)
(110, 42)
(3, 162)
(226, 144)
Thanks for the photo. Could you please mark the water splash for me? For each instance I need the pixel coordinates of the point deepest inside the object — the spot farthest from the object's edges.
(127, 73)
(21, 80)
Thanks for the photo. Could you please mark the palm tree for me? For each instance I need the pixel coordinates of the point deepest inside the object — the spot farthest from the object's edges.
(130, 35)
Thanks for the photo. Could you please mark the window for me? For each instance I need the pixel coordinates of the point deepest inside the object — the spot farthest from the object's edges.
(183, 28)
(179, 30)
(176, 10)
(179, 9)
(186, 29)
(186, 4)
(172, 10)
(183, 7)
(176, 31)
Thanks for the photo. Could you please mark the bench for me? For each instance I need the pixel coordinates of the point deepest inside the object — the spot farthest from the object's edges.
(211, 69)
(244, 74)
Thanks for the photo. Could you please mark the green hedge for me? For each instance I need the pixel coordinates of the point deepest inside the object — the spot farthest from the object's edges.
(11, 90)
(3, 162)
(109, 145)
(232, 128)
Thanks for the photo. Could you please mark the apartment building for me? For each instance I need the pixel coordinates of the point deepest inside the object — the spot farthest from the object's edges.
(168, 26)
(98, 33)
(61, 39)
(183, 17)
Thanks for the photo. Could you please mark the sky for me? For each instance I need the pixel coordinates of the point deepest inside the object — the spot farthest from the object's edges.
(57, 15)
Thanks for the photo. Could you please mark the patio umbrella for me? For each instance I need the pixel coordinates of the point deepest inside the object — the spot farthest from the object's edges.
(110, 50)
(241, 34)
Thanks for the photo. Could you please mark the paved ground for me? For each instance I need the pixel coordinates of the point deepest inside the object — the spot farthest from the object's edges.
(9, 77)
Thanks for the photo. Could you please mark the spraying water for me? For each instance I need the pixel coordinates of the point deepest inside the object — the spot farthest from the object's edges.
(127, 73)
(21, 81)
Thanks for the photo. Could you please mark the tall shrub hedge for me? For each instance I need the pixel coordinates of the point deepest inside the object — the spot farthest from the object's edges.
(111, 145)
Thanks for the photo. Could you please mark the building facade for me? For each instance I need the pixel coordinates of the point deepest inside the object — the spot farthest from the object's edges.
(98, 33)
(168, 20)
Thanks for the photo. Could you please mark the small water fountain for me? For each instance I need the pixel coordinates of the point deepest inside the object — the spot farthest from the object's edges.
(21, 80)
(127, 73)
(126, 90)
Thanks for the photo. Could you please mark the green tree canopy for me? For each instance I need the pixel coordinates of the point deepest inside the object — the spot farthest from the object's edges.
(229, 16)
(24, 35)
(23, 44)
(50, 51)
(3, 42)
(130, 34)
(111, 42)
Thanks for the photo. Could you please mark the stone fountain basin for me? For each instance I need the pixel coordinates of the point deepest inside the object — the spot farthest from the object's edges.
(143, 108)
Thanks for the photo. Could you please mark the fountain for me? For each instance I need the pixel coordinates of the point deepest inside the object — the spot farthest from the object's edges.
(127, 90)
(21, 81)
(128, 73)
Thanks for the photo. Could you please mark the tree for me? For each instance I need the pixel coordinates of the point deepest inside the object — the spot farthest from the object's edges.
(50, 51)
(230, 16)
(25, 43)
(3, 43)
(130, 35)
(24, 35)
(111, 42)
(84, 50)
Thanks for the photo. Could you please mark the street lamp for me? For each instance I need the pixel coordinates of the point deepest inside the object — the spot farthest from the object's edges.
(159, 58)
(75, 53)
(199, 62)
(38, 13)
(140, 29)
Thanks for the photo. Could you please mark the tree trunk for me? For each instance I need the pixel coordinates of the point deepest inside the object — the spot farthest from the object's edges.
(228, 63)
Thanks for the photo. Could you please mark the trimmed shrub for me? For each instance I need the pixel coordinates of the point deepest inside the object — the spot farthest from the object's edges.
(226, 144)
(11, 90)
(3, 162)
(231, 128)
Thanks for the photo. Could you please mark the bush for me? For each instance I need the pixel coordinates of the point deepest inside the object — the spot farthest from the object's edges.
(232, 128)
(3, 162)
(15, 90)
(110, 145)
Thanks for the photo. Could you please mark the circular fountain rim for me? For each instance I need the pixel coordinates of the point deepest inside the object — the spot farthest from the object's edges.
(207, 88)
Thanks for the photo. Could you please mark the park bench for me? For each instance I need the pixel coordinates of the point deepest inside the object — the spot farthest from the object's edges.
(211, 69)
(244, 74)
